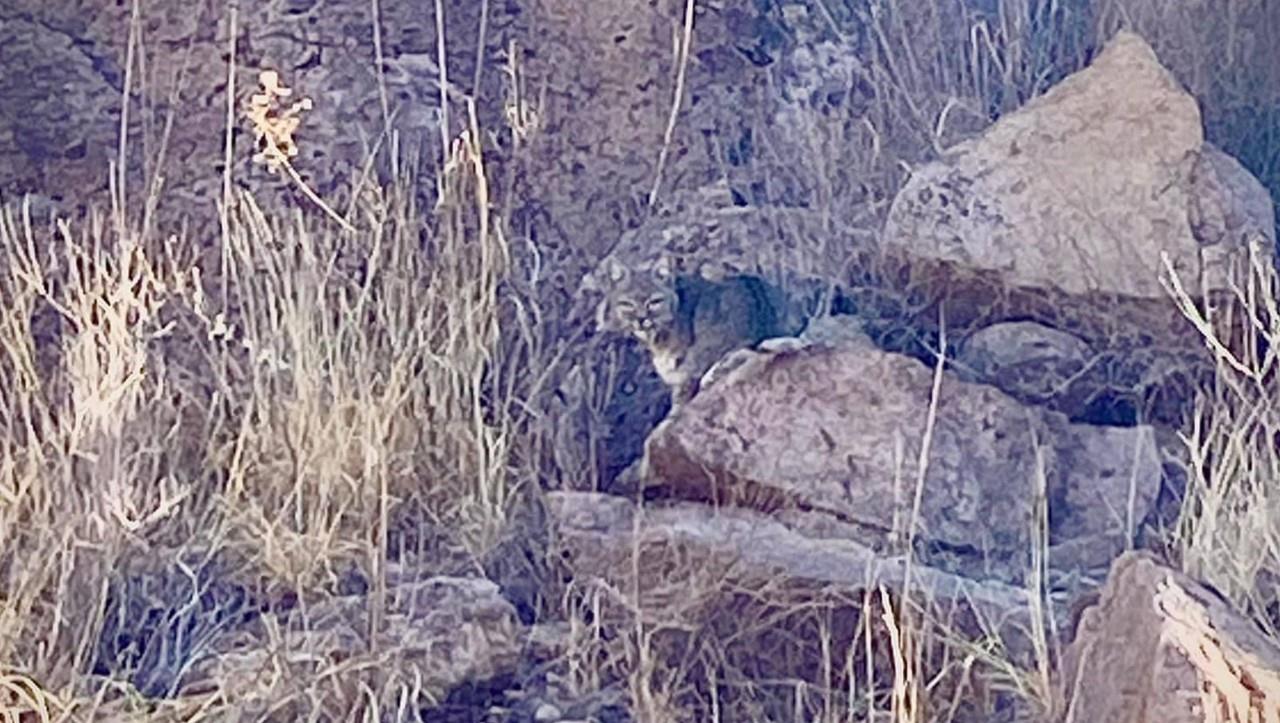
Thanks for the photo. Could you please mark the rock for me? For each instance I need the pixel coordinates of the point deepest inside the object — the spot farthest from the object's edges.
(599, 120)
(837, 429)
(1064, 213)
(1110, 477)
(549, 695)
(546, 641)
(843, 331)
(62, 99)
(1029, 361)
(1227, 204)
(1081, 190)
(546, 712)
(742, 576)
(1118, 383)
(445, 631)
(1160, 647)
(1195, 40)
(602, 531)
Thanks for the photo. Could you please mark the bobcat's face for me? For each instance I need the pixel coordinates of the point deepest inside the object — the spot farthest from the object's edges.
(642, 303)
(646, 308)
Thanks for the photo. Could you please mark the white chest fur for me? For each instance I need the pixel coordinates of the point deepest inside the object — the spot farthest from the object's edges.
(668, 366)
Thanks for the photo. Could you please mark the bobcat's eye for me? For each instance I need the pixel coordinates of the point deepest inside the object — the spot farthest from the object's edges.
(656, 302)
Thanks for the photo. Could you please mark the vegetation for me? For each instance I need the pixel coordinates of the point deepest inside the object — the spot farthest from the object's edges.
(329, 392)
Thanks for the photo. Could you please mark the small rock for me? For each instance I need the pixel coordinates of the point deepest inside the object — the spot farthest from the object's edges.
(546, 712)
(1029, 361)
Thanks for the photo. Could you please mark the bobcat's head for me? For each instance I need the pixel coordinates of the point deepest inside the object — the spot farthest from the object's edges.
(639, 302)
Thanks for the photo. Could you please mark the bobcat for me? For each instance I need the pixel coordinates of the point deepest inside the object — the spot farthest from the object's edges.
(687, 323)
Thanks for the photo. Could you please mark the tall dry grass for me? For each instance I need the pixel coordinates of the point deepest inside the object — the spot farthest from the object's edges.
(339, 387)
(1228, 531)
(276, 421)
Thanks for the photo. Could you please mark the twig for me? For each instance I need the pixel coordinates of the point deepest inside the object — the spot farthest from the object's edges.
(681, 69)
(227, 148)
(443, 78)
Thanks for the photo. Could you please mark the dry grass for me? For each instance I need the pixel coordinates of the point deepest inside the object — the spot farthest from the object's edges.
(280, 416)
(342, 383)
(1229, 529)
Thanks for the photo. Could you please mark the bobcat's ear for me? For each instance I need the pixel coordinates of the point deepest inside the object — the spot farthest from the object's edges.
(662, 267)
(615, 270)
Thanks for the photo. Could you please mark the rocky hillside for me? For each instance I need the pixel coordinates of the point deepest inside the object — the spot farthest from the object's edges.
(308, 414)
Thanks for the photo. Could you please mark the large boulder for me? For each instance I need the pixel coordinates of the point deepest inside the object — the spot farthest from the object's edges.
(1071, 213)
(719, 591)
(1084, 190)
(1158, 647)
(847, 430)
(736, 546)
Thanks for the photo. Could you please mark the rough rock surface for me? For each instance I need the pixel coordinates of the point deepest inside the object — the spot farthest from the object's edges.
(745, 545)
(445, 631)
(1096, 382)
(1082, 190)
(60, 109)
(1158, 647)
(1228, 204)
(751, 582)
(70, 61)
(1065, 212)
(838, 428)
(1026, 360)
